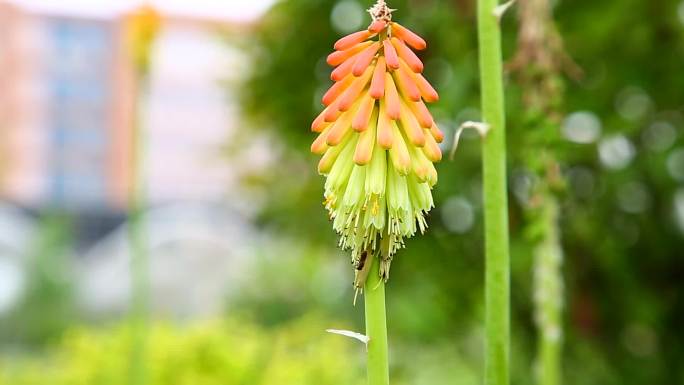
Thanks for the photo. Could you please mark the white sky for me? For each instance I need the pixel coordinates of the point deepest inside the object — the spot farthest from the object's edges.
(232, 10)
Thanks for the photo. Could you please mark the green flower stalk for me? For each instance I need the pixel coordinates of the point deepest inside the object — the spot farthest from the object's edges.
(497, 259)
(379, 143)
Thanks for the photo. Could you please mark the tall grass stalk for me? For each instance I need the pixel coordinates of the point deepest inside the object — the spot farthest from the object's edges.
(497, 271)
(376, 327)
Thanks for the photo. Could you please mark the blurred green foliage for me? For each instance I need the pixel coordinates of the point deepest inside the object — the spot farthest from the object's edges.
(214, 352)
(622, 226)
(46, 307)
(230, 352)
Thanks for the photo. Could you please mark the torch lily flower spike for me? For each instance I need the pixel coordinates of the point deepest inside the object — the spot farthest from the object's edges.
(378, 142)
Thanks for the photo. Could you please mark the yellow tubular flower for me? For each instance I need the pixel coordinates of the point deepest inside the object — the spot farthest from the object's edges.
(378, 142)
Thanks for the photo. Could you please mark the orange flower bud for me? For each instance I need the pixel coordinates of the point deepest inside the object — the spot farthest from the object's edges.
(407, 55)
(363, 115)
(354, 90)
(431, 148)
(436, 133)
(390, 54)
(377, 87)
(392, 98)
(406, 86)
(422, 114)
(364, 59)
(364, 148)
(385, 135)
(408, 36)
(352, 39)
(336, 90)
(377, 26)
(338, 57)
(426, 90)
(411, 127)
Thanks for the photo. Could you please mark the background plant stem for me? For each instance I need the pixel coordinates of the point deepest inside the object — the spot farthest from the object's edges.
(497, 271)
(376, 327)
(139, 263)
(548, 295)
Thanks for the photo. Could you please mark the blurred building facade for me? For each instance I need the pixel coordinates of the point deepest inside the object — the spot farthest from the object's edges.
(67, 102)
(63, 128)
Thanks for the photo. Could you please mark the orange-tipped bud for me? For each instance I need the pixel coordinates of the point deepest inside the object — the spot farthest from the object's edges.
(399, 153)
(377, 87)
(422, 114)
(405, 83)
(364, 59)
(426, 90)
(385, 136)
(390, 54)
(352, 40)
(437, 133)
(377, 26)
(354, 90)
(393, 108)
(336, 90)
(432, 175)
(363, 115)
(409, 57)
(411, 127)
(338, 57)
(319, 146)
(332, 112)
(318, 123)
(328, 159)
(343, 69)
(431, 148)
(408, 36)
(419, 164)
(339, 129)
(364, 148)
(325, 164)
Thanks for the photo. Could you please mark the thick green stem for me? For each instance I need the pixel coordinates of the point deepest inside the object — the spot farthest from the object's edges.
(139, 263)
(497, 286)
(548, 295)
(376, 327)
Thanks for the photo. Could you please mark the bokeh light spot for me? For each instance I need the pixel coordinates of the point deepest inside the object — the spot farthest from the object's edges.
(458, 214)
(675, 164)
(633, 103)
(659, 136)
(581, 127)
(582, 181)
(640, 340)
(633, 197)
(347, 16)
(679, 208)
(616, 152)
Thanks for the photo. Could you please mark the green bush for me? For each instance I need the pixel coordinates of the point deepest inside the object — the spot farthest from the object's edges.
(214, 352)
